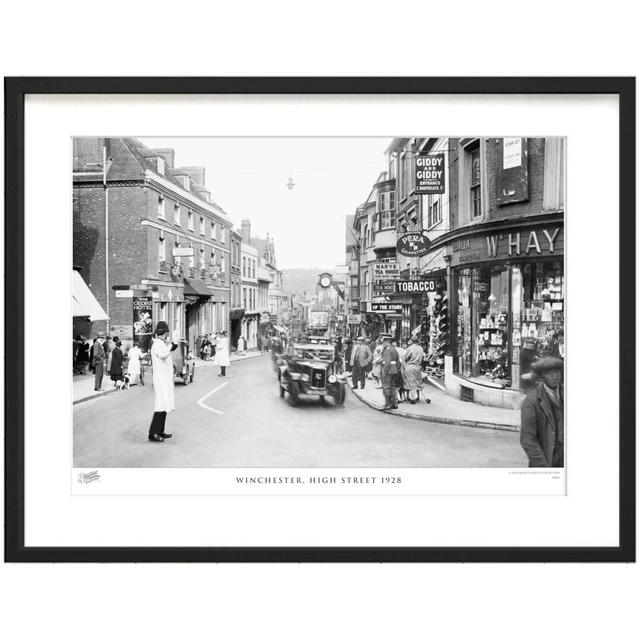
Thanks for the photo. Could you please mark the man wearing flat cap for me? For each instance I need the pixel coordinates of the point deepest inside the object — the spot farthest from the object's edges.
(542, 416)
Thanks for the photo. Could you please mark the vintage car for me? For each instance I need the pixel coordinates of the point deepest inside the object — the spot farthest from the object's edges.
(310, 369)
(184, 363)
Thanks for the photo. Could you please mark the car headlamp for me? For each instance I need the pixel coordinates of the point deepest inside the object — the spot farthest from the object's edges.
(332, 378)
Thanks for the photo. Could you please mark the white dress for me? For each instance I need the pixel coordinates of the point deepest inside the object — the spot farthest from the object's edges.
(133, 368)
(222, 352)
(162, 364)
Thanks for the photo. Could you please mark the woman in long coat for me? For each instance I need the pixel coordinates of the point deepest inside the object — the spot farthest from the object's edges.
(377, 363)
(116, 361)
(413, 357)
(162, 364)
(222, 354)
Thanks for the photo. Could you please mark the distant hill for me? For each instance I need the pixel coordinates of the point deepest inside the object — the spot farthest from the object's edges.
(301, 280)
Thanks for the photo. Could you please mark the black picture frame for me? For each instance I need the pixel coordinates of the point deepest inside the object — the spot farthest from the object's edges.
(15, 91)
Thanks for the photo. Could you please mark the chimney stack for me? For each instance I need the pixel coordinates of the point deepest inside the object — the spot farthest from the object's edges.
(245, 231)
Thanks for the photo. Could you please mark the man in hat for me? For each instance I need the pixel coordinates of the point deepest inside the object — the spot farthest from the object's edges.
(98, 360)
(542, 424)
(162, 364)
(361, 356)
(389, 370)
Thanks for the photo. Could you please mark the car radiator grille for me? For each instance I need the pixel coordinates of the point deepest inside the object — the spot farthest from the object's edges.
(318, 378)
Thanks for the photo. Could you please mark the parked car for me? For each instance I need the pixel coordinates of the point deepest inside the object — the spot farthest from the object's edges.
(184, 363)
(310, 369)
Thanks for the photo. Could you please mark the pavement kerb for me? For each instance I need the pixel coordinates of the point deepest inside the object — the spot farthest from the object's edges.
(475, 424)
(94, 395)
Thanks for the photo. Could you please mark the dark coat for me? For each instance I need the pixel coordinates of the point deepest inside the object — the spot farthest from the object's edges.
(390, 362)
(116, 363)
(538, 428)
(98, 355)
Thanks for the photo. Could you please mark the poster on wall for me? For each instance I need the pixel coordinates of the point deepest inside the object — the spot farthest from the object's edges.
(143, 321)
(513, 179)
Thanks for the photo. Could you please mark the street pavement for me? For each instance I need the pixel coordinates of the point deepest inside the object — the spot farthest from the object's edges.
(241, 421)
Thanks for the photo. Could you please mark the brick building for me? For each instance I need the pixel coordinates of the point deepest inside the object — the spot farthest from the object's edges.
(504, 253)
(490, 299)
(167, 248)
(237, 310)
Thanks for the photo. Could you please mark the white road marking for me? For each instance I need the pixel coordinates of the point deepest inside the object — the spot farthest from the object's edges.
(204, 406)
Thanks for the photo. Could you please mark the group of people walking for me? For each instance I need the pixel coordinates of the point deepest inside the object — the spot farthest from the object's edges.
(397, 370)
(105, 355)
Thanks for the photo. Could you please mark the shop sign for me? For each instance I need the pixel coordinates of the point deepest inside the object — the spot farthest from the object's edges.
(413, 245)
(124, 293)
(545, 241)
(426, 285)
(384, 288)
(143, 321)
(354, 318)
(430, 173)
(386, 307)
(182, 252)
(386, 270)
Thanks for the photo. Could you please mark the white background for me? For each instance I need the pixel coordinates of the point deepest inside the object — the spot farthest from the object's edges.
(320, 601)
(54, 517)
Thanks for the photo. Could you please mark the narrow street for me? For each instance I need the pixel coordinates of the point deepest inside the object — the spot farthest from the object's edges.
(240, 421)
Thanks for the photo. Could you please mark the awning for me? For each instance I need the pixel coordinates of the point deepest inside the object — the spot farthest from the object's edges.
(84, 302)
(236, 314)
(193, 287)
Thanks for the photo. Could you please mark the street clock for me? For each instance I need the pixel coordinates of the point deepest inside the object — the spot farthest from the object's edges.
(325, 280)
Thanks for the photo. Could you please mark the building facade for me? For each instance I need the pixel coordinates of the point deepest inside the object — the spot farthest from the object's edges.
(149, 240)
(487, 296)
(235, 283)
(251, 319)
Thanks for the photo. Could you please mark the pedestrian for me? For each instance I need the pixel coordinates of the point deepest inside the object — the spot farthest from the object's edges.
(369, 368)
(413, 358)
(361, 357)
(134, 367)
(377, 362)
(162, 366)
(108, 348)
(542, 416)
(116, 362)
(347, 354)
(389, 371)
(98, 359)
(242, 346)
(222, 354)
(82, 355)
(401, 348)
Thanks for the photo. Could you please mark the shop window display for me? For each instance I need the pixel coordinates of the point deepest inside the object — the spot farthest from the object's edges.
(508, 316)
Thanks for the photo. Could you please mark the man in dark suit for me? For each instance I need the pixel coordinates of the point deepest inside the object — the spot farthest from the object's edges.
(98, 360)
(542, 417)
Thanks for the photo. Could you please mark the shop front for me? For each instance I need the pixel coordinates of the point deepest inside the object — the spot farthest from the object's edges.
(507, 308)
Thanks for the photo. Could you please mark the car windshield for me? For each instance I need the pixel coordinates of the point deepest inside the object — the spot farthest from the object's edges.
(309, 353)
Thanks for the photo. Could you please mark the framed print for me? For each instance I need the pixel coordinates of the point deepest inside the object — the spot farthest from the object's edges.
(320, 319)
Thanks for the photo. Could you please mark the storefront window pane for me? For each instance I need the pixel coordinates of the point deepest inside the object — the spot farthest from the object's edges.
(542, 317)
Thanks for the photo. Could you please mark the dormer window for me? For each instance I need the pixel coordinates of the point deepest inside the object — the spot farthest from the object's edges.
(160, 165)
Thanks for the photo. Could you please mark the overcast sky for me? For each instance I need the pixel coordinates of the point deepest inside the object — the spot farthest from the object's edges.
(248, 176)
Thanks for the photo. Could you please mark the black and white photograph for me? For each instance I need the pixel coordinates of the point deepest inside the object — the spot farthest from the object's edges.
(268, 303)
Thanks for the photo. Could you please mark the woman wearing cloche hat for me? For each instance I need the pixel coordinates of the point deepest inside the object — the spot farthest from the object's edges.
(162, 364)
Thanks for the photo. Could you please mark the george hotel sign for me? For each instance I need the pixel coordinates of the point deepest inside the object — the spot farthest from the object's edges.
(519, 243)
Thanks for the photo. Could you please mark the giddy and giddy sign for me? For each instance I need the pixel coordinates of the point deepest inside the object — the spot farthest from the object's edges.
(430, 173)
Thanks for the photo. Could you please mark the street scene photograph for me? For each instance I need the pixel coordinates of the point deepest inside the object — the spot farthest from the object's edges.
(320, 302)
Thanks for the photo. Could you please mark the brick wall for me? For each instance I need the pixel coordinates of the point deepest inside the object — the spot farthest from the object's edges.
(533, 203)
